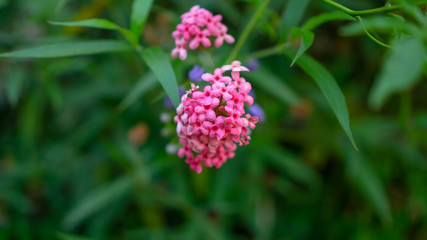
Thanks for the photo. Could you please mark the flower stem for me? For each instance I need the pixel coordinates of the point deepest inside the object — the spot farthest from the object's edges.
(247, 30)
(370, 35)
(368, 11)
(270, 51)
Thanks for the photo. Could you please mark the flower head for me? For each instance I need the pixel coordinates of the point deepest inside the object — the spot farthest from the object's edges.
(199, 27)
(210, 123)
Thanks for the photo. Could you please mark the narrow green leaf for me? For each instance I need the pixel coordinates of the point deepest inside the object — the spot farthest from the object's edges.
(144, 85)
(159, 63)
(140, 11)
(70, 49)
(275, 86)
(401, 70)
(100, 24)
(363, 177)
(292, 16)
(306, 38)
(92, 23)
(329, 88)
(96, 201)
(318, 20)
(14, 85)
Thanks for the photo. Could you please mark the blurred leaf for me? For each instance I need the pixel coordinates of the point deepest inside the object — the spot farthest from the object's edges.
(66, 236)
(92, 23)
(101, 24)
(414, 11)
(306, 37)
(318, 20)
(60, 5)
(31, 122)
(96, 201)
(364, 178)
(70, 49)
(401, 70)
(144, 85)
(275, 86)
(295, 10)
(14, 85)
(54, 93)
(3, 3)
(379, 24)
(159, 63)
(329, 88)
(292, 165)
(140, 11)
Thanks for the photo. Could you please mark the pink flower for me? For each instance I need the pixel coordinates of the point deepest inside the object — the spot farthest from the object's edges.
(179, 50)
(235, 68)
(222, 35)
(199, 26)
(210, 123)
(216, 77)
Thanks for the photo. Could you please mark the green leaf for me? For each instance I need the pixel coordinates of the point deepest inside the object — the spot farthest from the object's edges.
(140, 11)
(318, 20)
(363, 177)
(100, 24)
(92, 23)
(96, 201)
(144, 85)
(306, 37)
(275, 86)
(329, 88)
(401, 70)
(159, 63)
(14, 85)
(70, 49)
(295, 10)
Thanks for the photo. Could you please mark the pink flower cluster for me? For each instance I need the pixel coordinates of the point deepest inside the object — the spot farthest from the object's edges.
(212, 121)
(198, 26)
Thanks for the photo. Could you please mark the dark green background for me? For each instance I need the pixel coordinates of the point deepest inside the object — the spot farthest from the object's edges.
(69, 171)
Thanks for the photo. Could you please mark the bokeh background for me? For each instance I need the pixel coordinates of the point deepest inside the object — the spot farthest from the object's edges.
(83, 154)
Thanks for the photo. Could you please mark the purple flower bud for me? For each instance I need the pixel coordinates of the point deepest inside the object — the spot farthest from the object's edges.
(253, 65)
(256, 110)
(168, 102)
(252, 93)
(195, 74)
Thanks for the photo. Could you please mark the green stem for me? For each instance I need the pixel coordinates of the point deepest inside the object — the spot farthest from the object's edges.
(370, 35)
(365, 12)
(247, 30)
(270, 51)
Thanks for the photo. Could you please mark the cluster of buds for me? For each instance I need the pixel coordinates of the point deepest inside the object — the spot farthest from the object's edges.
(213, 121)
(199, 26)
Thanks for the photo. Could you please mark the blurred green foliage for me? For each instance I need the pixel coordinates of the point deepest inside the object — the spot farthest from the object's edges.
(82, 150)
